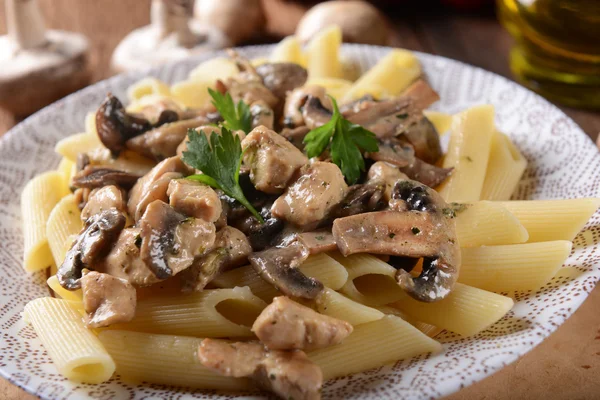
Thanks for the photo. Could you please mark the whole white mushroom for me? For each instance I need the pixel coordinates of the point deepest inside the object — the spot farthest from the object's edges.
(38, 66)
(239, 19)
(359, 21)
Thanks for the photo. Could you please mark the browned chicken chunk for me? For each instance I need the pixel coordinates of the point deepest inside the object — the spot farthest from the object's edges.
(289, 374)
(194, 199)
(107, 300)
(287, 325)
(102, 199)
(273, 161)
(309, 199)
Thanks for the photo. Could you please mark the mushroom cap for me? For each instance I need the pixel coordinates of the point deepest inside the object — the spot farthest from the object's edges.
(33, 78)
(359, 21)
(238, 19)
(143, 47)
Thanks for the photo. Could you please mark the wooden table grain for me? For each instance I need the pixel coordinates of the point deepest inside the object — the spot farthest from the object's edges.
(566, 365)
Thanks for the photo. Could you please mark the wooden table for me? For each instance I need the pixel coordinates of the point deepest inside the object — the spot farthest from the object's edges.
(566, 365)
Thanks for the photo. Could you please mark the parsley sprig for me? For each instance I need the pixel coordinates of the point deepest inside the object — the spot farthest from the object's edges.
(346, 143)
(219, 160)
(235, 117)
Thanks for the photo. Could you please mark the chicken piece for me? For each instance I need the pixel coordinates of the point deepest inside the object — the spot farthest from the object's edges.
(194, 199)
(262, 114)
(295, 100)
(107, 300)
(123, 261)
(386, 173)
(309, 199)
(153, 186)
(273, 160)
(287, 325)
(289, 374)
(231, 249)
(171, 241)
(102, 199)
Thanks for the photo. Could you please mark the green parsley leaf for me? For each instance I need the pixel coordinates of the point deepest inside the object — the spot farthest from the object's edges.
(347, 142)
(220, 161)
(236, 117)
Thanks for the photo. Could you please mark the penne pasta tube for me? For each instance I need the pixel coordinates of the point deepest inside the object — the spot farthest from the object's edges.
(75, 350)
(319, 266)
(164, 359)
(341, 307)
(90, 124)
(466, 311)
(70, 295)
(553, 219)
(38, 198)
(394, 72)
(211, 313)
(504, 170)
(513, 267)
(147, 87)
(372, 345)
(468, 153)
(334, 87)
(63, 221)
(71, 146)
(213, 69)
(370, 281)
(323, 54)
(288, 50)
(66, 168)
(428, 329)
(440, 120)
(191, 93)
(487, 223)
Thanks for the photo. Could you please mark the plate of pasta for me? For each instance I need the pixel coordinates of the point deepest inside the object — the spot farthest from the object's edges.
(318, 221)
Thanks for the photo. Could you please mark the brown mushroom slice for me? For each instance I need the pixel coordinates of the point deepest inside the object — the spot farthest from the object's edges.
(162, 142)
(357, 105)
(287, 325)
(231, 249)
(107, 300)
(92, 177)
(295, 100)
(289, 374)
(171, 241)
(105, 198)
(318, 241)
(386, 173)
(427, 174)
(421, 94)
(425, 140)
(98, 235)
(360, 199)
(393, 151)
(194, 199)
(386, 118)
(279, 267)
(281, 78)
(273, 160)
(314, 113)
(296, 136)
(115, 126)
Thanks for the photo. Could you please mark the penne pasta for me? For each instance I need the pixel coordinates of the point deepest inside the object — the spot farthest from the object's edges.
(553, 219)
(468, 154)
(440, 120)
(147, 87)
(211, 313)
(372, 345)
(428, 329)
(259, 61)
(66, 168)
(213, 69)
(319, 266)
(394, 72)
(191, 93)
(90, 124)
(466, 311)
(128, 161)
(38, 198)
(63, 221)
(513, 267)
(370, 281)
(504, 170)
(334, 87)
(75, 350)
(323, 59)
(70, 295)
(164, 359)
(487, 223)
(288, 50)
(339, 306)
(71, 146)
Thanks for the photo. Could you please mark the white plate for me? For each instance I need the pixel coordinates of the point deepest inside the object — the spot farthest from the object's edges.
(563, 163)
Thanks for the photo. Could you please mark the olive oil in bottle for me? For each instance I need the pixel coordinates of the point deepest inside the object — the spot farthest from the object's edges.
(557, 50)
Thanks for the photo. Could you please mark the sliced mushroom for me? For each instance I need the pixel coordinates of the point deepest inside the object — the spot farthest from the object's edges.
(386, 173)
(162, 142)
(425, 140)
(115, 126)
(393, 151)
(273, 160)
(281, 78)
(171, 241)
(105, 198)
(296, 136)
(231, 249)
(357, 105)
(289, 374)
(98, 235)
(427, 174)
(287, 325)
(92, 177)
(295, 101)
(107, 300)
(318, 241)
(421, 94)
(314, 113)
(279, 267)
(248, 84)
(360, 199)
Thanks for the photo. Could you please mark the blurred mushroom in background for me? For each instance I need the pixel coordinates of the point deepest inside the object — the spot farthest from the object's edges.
(172, 35)
(240, 20)
(38, 66)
